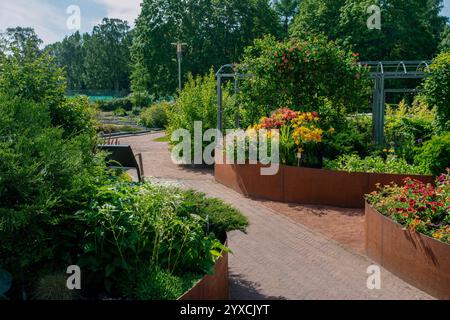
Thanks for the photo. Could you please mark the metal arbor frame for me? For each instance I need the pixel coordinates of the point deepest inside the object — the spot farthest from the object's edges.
(221, 74)
(382, 70)
(379, 71)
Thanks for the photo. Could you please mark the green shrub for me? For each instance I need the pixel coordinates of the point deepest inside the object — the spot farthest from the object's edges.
(44, 179)
(299, 74)
(437, 89)
(393, 164)
(133, 227)
(156, 115)
(141, 99)
(53, 287)
(75, 116)
(120, 112)
(114, 104)
(158, 284)
(221, 216)
(408, 127)
(198, 102)
(435, 154)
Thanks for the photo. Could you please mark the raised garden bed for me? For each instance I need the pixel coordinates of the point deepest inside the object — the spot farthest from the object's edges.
(306, 185)
(212, 287)
(416, 258)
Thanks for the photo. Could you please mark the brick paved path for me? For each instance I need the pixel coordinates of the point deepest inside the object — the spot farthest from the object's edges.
(277, 258)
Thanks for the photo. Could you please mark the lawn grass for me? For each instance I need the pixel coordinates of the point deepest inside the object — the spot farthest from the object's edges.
(162, 139)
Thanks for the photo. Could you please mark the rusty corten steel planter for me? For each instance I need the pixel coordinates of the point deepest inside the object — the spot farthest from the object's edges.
(306, 185)
(416, 258)
(213, 287)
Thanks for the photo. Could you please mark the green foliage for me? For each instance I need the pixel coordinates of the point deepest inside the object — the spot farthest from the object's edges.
(410, 30)
(445, 39)
(408, 127)
(300, 74)
(221, 217)
(33, 78)
(70, 54)
(144, 226)
(120, 112)
(437, 89)
(100, 60)
(115, 104)
(286, 9)
(21, 42)
(75, 116)
(156, 115)
(44, 179)
(198, 102)
(212, 42)
(392, 164)
(141, 99)
(435, 154)
(53, 287)
(158, 284)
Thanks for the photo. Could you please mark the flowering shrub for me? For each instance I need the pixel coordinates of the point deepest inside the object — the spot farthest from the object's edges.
(418, 206)
(300, 74)
(297, 131)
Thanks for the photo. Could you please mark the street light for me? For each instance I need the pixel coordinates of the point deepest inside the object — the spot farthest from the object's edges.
(179, 45)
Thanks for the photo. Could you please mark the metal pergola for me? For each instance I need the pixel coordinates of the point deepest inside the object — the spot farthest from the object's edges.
(233, 73)
(380, 71)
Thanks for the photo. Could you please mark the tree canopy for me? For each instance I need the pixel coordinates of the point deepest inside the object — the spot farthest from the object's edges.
(216, 32)
(410, 30)
(100, 60)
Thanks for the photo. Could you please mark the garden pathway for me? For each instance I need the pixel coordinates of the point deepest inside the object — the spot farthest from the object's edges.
(278, 258)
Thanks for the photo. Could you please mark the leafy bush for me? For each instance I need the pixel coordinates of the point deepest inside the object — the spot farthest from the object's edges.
(158, 284)
(437, 89)
(221, 217)
(435, 154)
(299, 74)
(149, 227)
(156, 115)
(44, 179)
(408, 127)
(198, 102)
(120, 112)
(75, 116)
(419, 207)
(393, 164)
(141, 99)
(114, 104)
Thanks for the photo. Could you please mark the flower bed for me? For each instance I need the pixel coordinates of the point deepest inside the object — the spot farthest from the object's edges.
(417, 259)
(408, 232)
(305, 185)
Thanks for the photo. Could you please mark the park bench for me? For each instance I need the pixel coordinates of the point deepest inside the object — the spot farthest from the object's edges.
(122, 157)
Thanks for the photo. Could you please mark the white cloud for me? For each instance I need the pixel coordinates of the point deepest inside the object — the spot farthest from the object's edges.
(46, 19)
(122, 9)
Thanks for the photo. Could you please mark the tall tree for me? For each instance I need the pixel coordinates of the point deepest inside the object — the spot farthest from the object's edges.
(70, 54)
(287, 9)
(23, 42)
(107, 60)
(215, 31)
(409, 29)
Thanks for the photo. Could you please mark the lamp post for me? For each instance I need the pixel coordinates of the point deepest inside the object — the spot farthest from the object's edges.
(179, 45)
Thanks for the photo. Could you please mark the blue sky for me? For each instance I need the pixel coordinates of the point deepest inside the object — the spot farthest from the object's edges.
(49, 17)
